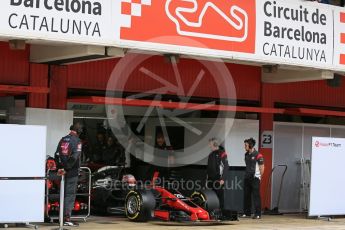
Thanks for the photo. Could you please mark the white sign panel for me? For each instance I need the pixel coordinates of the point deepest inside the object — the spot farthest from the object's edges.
(294, 33)
(57, 122)
(23, 151)
(298, 33)
(22, 201)
(234, 143)
(82, 21)
(327, 177)
(271, 31)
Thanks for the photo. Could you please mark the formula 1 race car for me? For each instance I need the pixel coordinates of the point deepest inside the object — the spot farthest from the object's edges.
(170, 205)
(110, 185)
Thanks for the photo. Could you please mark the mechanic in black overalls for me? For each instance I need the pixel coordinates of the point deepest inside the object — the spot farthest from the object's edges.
(68, 155)
(254, 171)
(217, 169)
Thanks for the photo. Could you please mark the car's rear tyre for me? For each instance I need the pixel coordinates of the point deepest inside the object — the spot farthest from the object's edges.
(206, 199)
(139, 205)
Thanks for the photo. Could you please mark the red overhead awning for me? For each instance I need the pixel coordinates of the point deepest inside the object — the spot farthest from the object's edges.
(171, 105)
(23, 89)
(207, 107)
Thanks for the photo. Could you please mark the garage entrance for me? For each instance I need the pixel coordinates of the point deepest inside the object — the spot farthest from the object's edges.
(292, 147)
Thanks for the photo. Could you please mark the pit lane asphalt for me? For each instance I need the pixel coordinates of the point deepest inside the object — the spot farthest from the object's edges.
(293, 222)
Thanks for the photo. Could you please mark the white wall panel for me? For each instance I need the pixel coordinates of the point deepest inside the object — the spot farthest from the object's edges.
(22, 201)
(57, 122)
(22, 152)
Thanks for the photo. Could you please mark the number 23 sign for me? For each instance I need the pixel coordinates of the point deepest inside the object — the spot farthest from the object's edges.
(267, 139)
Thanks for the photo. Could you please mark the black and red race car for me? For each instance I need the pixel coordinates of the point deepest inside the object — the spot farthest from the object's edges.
(52, 193)
(170, 205)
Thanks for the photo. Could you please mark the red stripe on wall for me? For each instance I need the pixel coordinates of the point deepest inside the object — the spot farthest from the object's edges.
(342, 17)
(342, 38)
(342, 59)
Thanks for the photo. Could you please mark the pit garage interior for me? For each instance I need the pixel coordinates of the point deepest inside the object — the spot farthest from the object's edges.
(72, 86)
(52, 82)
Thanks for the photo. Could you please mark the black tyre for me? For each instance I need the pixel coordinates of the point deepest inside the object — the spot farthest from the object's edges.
(206, 199)
(139, 205)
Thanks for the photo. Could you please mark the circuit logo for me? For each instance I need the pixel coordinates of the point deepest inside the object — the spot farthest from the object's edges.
(236, 20)
(221, 25)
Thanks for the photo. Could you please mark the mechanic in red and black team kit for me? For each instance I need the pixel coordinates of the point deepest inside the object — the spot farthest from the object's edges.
(67, 156)
(254, 171)
(217, 169)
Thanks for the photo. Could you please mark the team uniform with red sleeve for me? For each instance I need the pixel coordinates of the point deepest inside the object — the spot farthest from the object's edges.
(217, 169)
(252, 182)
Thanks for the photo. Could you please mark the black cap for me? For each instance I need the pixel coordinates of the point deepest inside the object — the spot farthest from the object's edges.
(77, 127)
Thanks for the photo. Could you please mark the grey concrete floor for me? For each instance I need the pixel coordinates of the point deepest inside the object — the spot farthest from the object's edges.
(293, 222)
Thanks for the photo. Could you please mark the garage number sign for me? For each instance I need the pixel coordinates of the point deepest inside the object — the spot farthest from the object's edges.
(267, 139)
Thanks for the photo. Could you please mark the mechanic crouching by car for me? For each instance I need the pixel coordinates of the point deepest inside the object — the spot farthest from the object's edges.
(67, 156)
(217, 169)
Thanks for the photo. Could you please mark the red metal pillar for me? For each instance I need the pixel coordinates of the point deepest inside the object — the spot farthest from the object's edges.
(58, 87)
(38, 77)
(266, 124)
(14, 65)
